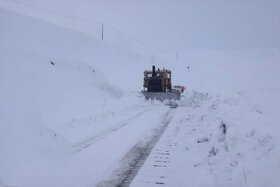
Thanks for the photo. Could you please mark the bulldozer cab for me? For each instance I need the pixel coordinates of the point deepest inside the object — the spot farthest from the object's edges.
(157, 80)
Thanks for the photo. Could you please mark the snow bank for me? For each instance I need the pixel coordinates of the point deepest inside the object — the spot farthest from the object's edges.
(49, 77)
(215, 141)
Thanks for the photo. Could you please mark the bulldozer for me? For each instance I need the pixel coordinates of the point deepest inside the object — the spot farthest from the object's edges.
(157, 85)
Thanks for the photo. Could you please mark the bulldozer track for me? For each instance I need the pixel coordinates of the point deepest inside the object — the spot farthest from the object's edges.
(137, 155)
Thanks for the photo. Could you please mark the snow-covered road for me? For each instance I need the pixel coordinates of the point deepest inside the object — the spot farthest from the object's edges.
(97, 137)
(209, 140)
(107, 153)
(136, 156)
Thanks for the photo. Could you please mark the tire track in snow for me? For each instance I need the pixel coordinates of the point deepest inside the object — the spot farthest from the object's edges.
(93, 139)
(137, 155)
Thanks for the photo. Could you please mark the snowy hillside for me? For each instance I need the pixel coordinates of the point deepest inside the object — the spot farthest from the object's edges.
(49, 82)
(71, 111)
(176, 25)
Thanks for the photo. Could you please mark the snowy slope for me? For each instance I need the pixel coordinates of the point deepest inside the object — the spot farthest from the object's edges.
(49, 82)
(36, 96)
(176, 25)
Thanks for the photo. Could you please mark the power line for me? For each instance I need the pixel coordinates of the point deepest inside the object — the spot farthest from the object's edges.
(101, 24)
(55, 12)
(135, 39)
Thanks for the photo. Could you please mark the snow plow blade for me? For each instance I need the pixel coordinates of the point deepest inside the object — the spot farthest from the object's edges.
(161, 96)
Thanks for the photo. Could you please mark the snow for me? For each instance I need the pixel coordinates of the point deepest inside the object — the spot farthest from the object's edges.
(214, 141)
(71, 111)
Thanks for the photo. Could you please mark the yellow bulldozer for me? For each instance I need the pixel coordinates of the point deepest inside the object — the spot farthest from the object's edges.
(157, 85)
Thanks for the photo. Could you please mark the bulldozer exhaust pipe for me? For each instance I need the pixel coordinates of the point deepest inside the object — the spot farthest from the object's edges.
(154, 71)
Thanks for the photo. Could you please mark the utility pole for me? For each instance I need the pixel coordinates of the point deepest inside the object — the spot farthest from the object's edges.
(102, 31)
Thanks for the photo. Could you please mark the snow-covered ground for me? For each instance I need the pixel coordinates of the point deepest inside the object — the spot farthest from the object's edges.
(215, 141)
(71, 111)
